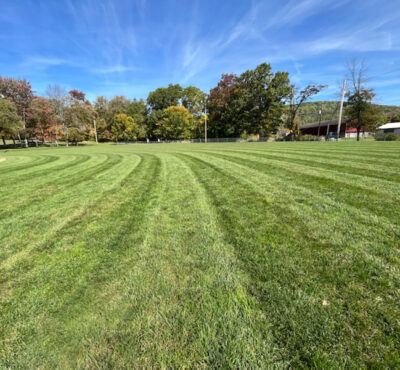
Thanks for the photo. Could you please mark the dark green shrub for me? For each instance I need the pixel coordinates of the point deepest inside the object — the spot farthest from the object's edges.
(307, 138)
(390, 136)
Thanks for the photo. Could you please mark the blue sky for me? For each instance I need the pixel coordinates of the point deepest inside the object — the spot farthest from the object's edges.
(107, 47)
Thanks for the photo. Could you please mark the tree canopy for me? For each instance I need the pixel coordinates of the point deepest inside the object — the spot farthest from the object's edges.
(41, 118)
(359, 110)
(125, 128)
(256, 102)
(10, 121)
(251, 103)
(165, 97)
(176, 123)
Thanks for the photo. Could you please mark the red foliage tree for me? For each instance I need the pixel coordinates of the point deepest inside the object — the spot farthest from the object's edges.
(220, 95)
(41, 119)
(17, 91)
(78, 95)
(219, 103)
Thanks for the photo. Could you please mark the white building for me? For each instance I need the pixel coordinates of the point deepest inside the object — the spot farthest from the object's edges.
(390, 127)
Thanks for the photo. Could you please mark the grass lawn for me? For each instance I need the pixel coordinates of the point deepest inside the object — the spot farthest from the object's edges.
(221, 255)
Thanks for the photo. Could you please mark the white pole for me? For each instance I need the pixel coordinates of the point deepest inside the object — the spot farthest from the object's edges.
(341, 109)
(205, 124)
(319, 123)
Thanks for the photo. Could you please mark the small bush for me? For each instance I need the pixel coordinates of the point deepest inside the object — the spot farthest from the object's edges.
(390, 136)
(307, 138)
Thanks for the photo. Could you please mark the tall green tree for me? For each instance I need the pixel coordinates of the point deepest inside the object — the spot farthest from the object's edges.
(153, 121)
(118, 104)
(259, 99)
(124, 128)
(101, 106)
(10, 121)
(137, 109)
(165, 97)
(177, 124)
(195, 100)
(361, 112)
(79, 116)
(18, 91)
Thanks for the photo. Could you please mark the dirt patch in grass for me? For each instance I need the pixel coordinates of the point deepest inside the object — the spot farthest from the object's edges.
(3, 159)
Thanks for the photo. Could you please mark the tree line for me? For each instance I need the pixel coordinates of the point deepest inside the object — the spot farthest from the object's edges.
(256, 102)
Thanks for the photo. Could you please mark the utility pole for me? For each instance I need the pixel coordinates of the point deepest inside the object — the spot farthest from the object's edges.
(95, 131)
(205, 123)
(341, 109)
(319, 124)
(23, 116)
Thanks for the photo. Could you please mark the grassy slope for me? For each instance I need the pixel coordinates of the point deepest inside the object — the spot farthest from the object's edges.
(219, 255)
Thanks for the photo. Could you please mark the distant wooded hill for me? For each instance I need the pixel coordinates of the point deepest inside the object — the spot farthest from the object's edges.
(308, 112)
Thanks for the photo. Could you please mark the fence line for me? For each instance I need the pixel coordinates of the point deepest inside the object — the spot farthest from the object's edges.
(189, 141)
(39, 143)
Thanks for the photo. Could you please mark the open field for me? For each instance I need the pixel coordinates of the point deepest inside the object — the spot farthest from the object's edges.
(247, 254)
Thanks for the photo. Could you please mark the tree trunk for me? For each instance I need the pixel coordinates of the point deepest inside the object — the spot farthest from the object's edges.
(13, 139)
(4, 140)
(43, 137)
(293, 128)
(358, 133)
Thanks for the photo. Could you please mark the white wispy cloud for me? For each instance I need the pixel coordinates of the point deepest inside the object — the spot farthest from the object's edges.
(104, 34)
(112, 69)
(199, 53)
(44, 61)
(295, 12)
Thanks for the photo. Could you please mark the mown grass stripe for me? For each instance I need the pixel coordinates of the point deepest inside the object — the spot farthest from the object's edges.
(69, 263)
(342, 166)
(282, 278)
(358, 158)
(373, 195)
(267, 184)
(166, 265)
(36, 161)
(62, 163)
(365, 151)
(59, 203)
(45, 189)
(217, 255)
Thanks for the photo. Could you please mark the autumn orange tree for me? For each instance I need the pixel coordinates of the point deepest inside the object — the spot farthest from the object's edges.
(41, 119)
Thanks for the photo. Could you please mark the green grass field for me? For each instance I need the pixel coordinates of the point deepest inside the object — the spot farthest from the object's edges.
(219, 255)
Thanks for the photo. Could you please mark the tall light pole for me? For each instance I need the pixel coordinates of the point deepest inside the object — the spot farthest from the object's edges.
(341, 109)
(205, 122)
(319, 124)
